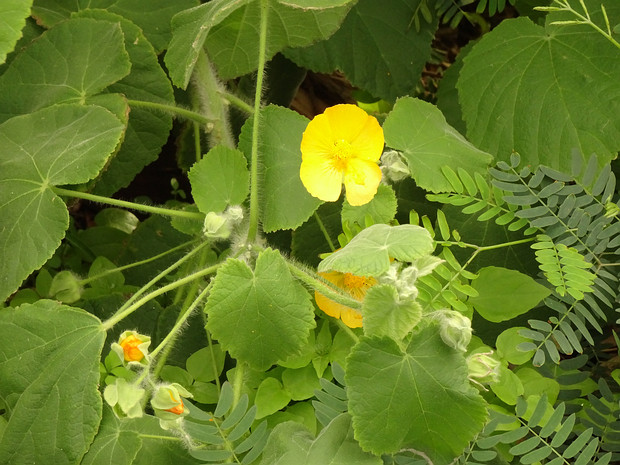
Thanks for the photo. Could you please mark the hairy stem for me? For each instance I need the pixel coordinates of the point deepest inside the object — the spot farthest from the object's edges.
(170, 109)
(254, 206)
(130, 205)
(215, 107)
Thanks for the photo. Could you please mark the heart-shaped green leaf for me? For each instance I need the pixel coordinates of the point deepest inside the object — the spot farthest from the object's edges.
(61, 144)
(412, 397)
(259, 316)
(49, 373)
(544, 91)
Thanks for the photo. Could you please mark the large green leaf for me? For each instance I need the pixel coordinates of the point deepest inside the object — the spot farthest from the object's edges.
(291, 443)
(495, 283)
(147, 131)
(229, 29)
(152, 16)
(544, 91)
(219, 179)
(377, 47)
(286, 203)
(419, 130)
(416, 397)
(369, 253)
(62, 144)
(13, 14)
(259, 316)
(49, 372)
(67, 64)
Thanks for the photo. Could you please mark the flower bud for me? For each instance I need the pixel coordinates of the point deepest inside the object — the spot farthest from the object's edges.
(454, 328)
(483, 367)
(124, 398)
(66, 287)
(393, 166)
(132, 347)
(167, 401)
(220, 225)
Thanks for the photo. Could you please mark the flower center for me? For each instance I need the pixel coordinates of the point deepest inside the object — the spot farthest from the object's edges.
(342, 149)
(354, 282)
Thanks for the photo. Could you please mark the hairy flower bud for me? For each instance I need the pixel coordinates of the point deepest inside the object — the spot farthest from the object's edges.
(483, 367)
(167, 402)
(454, 328)
(393, 166)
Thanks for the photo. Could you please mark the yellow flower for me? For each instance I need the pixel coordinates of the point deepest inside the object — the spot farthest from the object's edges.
(356, 286)
(131, 351)
(343, 144)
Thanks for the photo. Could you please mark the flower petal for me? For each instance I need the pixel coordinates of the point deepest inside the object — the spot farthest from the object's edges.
(346, 121)
(361, 180)
(321, 178)
(351, 318)
(368, 145)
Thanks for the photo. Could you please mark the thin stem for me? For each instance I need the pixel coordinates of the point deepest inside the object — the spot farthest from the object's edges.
(177, 326)
(161, 275)
(171, 109)
(324, 231)
(213, 361)
(335, 294)
(254, 206)
(109, 323)
(236, 101)
(130, 205)
(139, 263)
(159, 438)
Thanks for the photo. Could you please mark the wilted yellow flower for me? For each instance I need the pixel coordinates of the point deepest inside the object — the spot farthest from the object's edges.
(356, 286)
(343, 144)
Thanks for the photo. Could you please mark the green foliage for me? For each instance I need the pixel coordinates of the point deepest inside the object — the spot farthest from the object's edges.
(78, 139)
(423, 420)
(225, 434)
(462, 315)
(389, 55)
(14, 14)
(547, 112)
(246, 319)
(428, 143)
(55, 397)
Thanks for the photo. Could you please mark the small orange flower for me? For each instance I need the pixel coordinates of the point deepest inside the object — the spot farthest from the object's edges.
(342, 145)
(356, 286)
(130, 349)
(177, 409)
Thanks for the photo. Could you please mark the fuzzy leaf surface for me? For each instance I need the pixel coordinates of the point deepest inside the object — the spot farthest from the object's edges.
(67, 64)
(414, 397)
(286, 203)
(420, 131)
(49, 373)
(260, 316)
(229, 29)
(389, 53)
(219, 179)
(369, 253)
(532, 80)
(62, 144)
(147, 130)
(291, 443)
